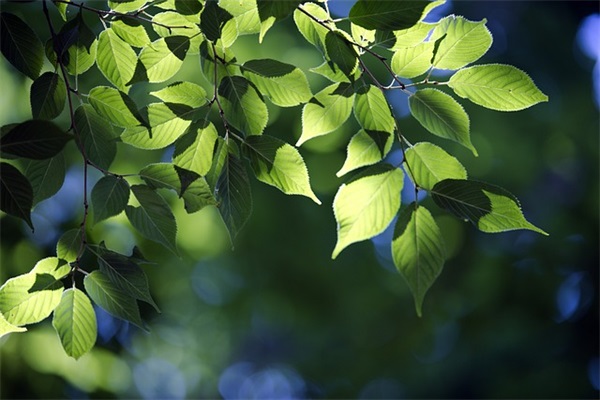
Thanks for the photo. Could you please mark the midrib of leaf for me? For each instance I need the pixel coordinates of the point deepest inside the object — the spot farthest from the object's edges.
(440, 117)
(148, 217)
(13, 39)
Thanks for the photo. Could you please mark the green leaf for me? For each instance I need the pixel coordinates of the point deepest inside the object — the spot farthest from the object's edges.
(6, 327)
(285, 84)
(76, 45)
(213, 19)
(45, 176)
(20, 45)
(341, 53)
(116, 59)
(188, 185)
(162, 58)
(131, 31)
(168, 121)
(194, 150)
(326, 111)
(412, 61)
(53, 266)
(279, 164)
(330, 71)
(96, 136)
(29, 298)
(16, 196)
(225, 63)
(115, 106)
(488, 207)
(387, 15)
(496, 86)
(153, 218)
(35, 139)
(366, 148)
(366, 206)
(111, 298)
(125, 6)
(464, 42)
(243, 105)
(187, 93)
(218, 161)
(428, 164)
(126, 275)
(362, 36)
(69, 245)
(47, 96)
(109, 197)
(270, 11)
(441, 115)
(62, 8)
(411, 37)
(372, 111)
(245, 14)
(312, 31)
(418, 251)
(232, 191)
(181, 26)
(75, 322)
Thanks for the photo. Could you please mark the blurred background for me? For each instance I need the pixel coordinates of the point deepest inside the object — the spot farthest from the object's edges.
(513, 315)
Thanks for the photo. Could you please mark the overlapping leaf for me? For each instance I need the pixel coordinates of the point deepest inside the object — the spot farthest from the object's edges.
(16, 196)
(366, 148)
(75, 322)
(418, 251)
(496, 86)
(126, 6)
(387, 15)
(187, 93)
(341, 53)
(161, 59)
(313, 31)
(413, 61)
(428, 164)
(194, 150)
(488, 207)
(365, 206)
(76, 45)
(270, 11)
(441, 115)
(96, 136)
(326, 111)
(69, 245)
(53, 266)
(6, 327)
(279, 164)
(131, 31)
(115, 106)
(34, 139)
(45, 176)
(116, 59)
(243, 105)
(178, 25)
(464, 42)
(285, 84)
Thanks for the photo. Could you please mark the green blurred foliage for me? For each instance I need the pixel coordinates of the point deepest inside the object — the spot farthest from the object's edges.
(275, 310)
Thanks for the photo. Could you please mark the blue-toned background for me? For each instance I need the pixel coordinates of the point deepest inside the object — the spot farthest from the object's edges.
(513, 315)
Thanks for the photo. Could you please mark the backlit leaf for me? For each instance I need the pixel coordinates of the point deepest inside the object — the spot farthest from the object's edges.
(194, 150)
(69, 245)
(411, 37)
(441, 115)
(116, 59)
(428, 164)
(97, 137)
(29, 298)
(366, 148)
(418, 251)
(270, 11)
(126, 6)
(131, 31)
(366, 206)
(309, 28)
(180, 26)
(225, 59)
(46, 176)
(245, 14)
(52, 266)
(115, 106)
(326, 111)
(243, 105)
(34, 139)
(464, 42)
(75, 322)
(285, 84)
(111, 298)
(187, 93)
(490, 208)
(496, 86)
(372, 111)
(6, 327)
(47, 96)
(109, 197)
(341, 53)
(20, 45)
(330, 71)
(213, 19)
(153, 218)
(279, 164)
(162, 58)
(412, 61)
(76, 46)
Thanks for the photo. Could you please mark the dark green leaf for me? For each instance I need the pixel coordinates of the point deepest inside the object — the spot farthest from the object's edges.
(418, 251)
(109, 197)
(69, 245)
(387, 15)
(16, 196)
(76, 45)
(153, 218)
(161, 59)
(35, 139)
(341, 53)
(212, 20)
(20, 45)
(490, 208)
(111, 298)
(96, 136)
(46, 176)
(243, 105)
(270, 11)
(233, 192)
(47, 96)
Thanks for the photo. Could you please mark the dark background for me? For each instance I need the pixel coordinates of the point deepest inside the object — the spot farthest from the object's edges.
(513, 315)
